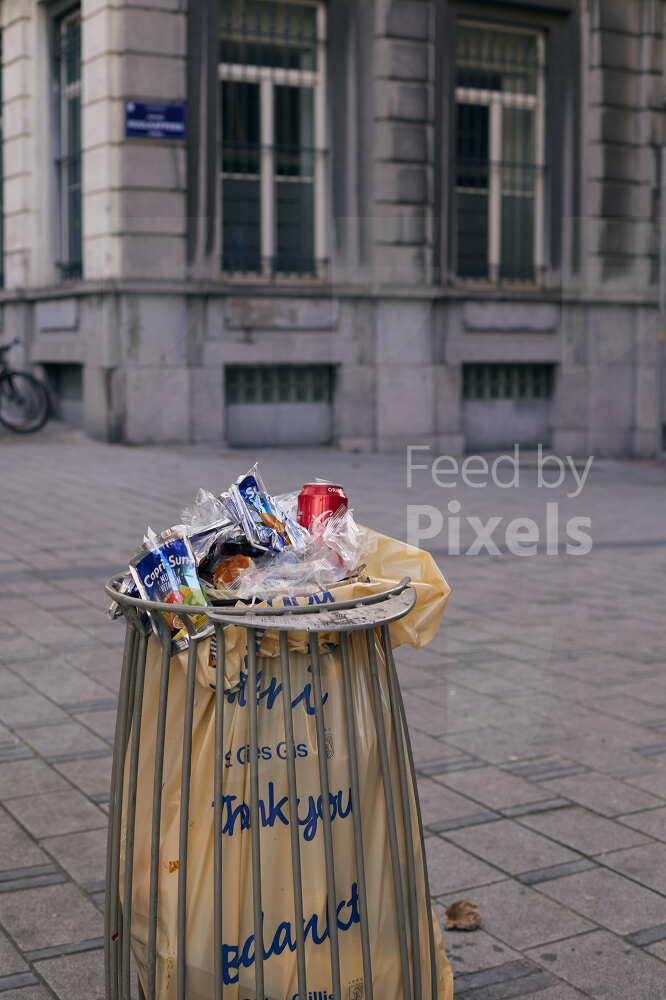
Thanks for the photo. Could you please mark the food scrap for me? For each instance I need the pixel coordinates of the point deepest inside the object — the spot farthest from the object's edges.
(463, 915)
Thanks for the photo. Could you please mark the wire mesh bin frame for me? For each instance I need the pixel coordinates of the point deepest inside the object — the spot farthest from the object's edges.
(371, 614)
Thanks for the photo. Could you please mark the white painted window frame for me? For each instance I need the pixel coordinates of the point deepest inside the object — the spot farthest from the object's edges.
(268, 77)
(496, 101)
(66, 91)
(2, 171)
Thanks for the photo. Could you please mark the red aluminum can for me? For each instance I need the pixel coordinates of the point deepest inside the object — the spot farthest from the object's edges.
(316, 503)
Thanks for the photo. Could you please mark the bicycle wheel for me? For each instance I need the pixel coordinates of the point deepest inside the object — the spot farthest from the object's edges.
(25, 405)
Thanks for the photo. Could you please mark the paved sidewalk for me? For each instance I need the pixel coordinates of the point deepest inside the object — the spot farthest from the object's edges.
(538, 714)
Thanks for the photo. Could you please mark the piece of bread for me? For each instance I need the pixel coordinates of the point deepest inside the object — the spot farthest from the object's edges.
(230, 569)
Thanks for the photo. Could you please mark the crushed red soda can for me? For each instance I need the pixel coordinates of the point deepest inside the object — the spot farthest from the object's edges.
(317, 502)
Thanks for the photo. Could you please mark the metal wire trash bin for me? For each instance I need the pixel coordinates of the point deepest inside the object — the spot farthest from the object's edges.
(370, 616)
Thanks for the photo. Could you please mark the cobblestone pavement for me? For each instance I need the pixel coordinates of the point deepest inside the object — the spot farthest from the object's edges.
(538, 714)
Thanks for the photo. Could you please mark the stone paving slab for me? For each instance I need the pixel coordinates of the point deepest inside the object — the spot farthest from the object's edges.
(651, 822)
(607, 796)
(81, 855)
(520, 916)
(599, 967)
(48, 916)
(609, 899)
(560, 992)
(29, 777)
(10, 959)
(584, 831)
(538, 713)
(645, 864)
(512, 847)
(79, 977)
(55, 812)
(494, 788)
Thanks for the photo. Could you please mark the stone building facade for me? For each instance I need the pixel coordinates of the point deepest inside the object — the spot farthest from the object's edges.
(370, 222)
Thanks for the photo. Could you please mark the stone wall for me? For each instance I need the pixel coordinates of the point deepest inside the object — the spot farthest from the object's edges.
(624, 130)
(134, 190)
(19, 38)
(149, 327)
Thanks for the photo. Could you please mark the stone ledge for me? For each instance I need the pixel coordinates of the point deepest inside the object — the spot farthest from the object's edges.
(510, 317)
(280, 314)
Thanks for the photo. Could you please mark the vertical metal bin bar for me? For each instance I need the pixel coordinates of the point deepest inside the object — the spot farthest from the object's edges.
(185, 809)
(356, 817)
(293, 815)
(396, 723)
(111, 928)
(313, 639)
(165, 641)
(390, 814)
(217, 815)
(254, 813)
(412, 769)
(131, 686)
(131, 683)
(131, 813)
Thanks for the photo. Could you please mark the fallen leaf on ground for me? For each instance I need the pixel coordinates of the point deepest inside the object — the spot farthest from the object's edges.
(462, 915)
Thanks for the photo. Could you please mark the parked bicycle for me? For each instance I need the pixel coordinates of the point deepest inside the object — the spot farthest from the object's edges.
(25, 402)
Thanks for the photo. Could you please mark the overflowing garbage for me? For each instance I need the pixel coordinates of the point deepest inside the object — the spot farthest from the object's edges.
(247, 545)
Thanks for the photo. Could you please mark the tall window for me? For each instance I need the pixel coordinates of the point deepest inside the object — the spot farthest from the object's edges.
(67, 89)
(499, 137)
(271, 71)
(2, 180)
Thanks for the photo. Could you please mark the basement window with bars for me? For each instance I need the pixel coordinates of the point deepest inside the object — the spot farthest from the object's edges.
(67, 103)
(508, 381)
(279, 384)
(499, 154)
(271, 76)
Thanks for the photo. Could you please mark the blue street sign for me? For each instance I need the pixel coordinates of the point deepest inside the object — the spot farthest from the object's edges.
(154, 121)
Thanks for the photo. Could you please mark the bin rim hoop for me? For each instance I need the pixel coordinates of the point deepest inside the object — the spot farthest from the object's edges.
(216, 613)
(345, 616)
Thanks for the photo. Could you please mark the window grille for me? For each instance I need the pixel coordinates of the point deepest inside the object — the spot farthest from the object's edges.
(508, 381)
(67, 87)
(271, 72)
(500, 153)
(279, 384)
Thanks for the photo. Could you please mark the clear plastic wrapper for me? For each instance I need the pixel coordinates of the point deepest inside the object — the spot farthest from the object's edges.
(205, 521)
(288, 502)
(325, 560)
(205, 513)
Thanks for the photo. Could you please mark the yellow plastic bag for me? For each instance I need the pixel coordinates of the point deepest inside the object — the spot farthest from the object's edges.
(391, 561)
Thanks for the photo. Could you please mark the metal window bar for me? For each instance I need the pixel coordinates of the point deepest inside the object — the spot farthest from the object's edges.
(500, 171)
(508, 381)
(67, 87)
(369, 616)
(272, 71)
(279, 383)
